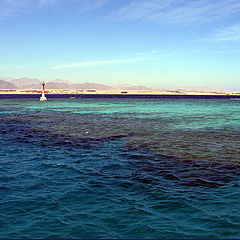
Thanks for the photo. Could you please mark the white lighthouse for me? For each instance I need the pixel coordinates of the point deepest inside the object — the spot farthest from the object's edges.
(43, 98)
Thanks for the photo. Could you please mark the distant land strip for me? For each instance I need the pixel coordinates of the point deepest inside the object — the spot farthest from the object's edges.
(33, 86)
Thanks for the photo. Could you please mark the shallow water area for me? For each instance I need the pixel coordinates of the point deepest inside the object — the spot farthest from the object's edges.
(119, 168)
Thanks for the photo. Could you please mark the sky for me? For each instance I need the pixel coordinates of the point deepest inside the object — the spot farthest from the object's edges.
(157, 43)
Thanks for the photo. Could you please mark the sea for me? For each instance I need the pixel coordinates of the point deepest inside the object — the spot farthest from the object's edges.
(119, 167)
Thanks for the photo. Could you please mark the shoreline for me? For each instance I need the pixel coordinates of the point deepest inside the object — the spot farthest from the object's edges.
(135, 96)
(116, 92)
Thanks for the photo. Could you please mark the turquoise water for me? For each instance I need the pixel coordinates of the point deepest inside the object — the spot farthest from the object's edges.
(119, 168)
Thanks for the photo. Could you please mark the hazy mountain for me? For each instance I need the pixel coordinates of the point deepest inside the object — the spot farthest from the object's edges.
(95, 86)
(65, 84)
(137, 88)
(122, 86)
(56, 85)
(61, 81)
(27, 83)
(59, 84)
(131, 87)
(33, 83)
(7, 85)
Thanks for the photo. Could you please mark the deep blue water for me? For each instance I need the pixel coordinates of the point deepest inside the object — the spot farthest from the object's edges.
(120, 168)
(92, 95)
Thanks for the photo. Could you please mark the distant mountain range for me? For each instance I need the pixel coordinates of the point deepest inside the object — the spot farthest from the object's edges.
(7, 85)
(26, 83)
(33, 83)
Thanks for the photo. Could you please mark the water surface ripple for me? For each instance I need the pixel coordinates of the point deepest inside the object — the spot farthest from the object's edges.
(119, 168)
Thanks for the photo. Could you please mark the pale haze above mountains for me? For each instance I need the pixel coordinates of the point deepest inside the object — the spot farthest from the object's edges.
(33, 83)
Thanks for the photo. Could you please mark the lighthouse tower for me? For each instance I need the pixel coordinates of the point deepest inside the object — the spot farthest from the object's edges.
(43, 98)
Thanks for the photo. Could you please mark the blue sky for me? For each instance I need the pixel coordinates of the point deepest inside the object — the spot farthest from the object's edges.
(158, 43)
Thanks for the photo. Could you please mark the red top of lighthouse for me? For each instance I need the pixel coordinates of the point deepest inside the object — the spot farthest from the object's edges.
(43, 86)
